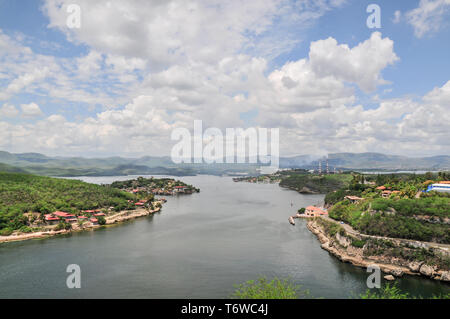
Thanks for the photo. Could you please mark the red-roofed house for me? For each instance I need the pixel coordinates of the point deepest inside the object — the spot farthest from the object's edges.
(313, 211)
(52, 220)
(381, 188)
(61, 214)
(386, 194)
(99, 214)
(94, 221)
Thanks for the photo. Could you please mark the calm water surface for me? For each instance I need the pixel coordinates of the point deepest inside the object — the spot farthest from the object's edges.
(199, 246)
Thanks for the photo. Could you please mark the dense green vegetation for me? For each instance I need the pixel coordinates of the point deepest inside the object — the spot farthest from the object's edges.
(24, 193)
(286, 289)
(313, 183)
(400, 214)
(265, 289)
(393, 292)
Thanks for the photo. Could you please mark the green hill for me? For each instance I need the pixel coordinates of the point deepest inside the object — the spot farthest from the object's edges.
(312, 183)
(23, 193)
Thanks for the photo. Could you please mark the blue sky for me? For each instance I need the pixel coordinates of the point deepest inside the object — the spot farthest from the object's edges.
(227, 64)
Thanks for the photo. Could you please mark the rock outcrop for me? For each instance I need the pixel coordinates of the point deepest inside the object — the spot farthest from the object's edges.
(341, 247)
(415, 266)
(445, 276)
(427, 270)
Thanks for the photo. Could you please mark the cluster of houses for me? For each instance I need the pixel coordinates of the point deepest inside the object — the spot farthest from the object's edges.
(168, 191)
(386, 192)
(57, 217)
(265, 179)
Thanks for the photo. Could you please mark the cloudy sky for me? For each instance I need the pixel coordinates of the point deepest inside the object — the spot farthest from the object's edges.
(136, 70)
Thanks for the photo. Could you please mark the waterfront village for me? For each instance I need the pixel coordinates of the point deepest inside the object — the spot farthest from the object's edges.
(85, 206)
(143, 188)
(97, 217)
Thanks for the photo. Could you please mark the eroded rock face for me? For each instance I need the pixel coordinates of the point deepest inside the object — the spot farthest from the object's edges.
(415, 266)
(397, 272)
(445, 276)
(392, 266)
(343, 241)
(426, 270)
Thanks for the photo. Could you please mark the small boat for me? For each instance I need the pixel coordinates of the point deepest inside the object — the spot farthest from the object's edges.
(291, 220)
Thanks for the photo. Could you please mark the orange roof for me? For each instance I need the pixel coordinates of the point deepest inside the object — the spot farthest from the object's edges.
(381, 188)
(316, 210)
(444, 182)
(61, 214)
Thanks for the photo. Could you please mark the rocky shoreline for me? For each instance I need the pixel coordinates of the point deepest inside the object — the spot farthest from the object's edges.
(340, 246)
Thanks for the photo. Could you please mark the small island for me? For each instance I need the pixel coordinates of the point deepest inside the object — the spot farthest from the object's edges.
(155, 186)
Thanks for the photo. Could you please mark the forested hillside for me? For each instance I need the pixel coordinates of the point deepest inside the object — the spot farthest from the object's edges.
(24, 193)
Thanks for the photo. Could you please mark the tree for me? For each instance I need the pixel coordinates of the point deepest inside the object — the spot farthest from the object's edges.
(101, 220)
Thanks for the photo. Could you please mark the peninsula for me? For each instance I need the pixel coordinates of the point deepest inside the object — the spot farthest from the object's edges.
(399, 221)
(36, 207)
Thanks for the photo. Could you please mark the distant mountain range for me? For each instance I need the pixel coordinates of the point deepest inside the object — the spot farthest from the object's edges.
(377, 161)
(78, 166)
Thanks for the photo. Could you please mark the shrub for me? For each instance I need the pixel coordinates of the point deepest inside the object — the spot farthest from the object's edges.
(26, 229)
(101, 220)
(6, 232)
(264, 289)
(358, 243)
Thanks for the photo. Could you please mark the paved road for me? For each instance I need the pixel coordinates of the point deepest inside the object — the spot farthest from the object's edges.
(351, 231)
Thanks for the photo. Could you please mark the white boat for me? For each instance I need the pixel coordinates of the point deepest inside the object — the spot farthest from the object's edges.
(291, 220)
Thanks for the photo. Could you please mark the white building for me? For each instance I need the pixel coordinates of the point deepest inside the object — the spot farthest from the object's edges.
(439, 188)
